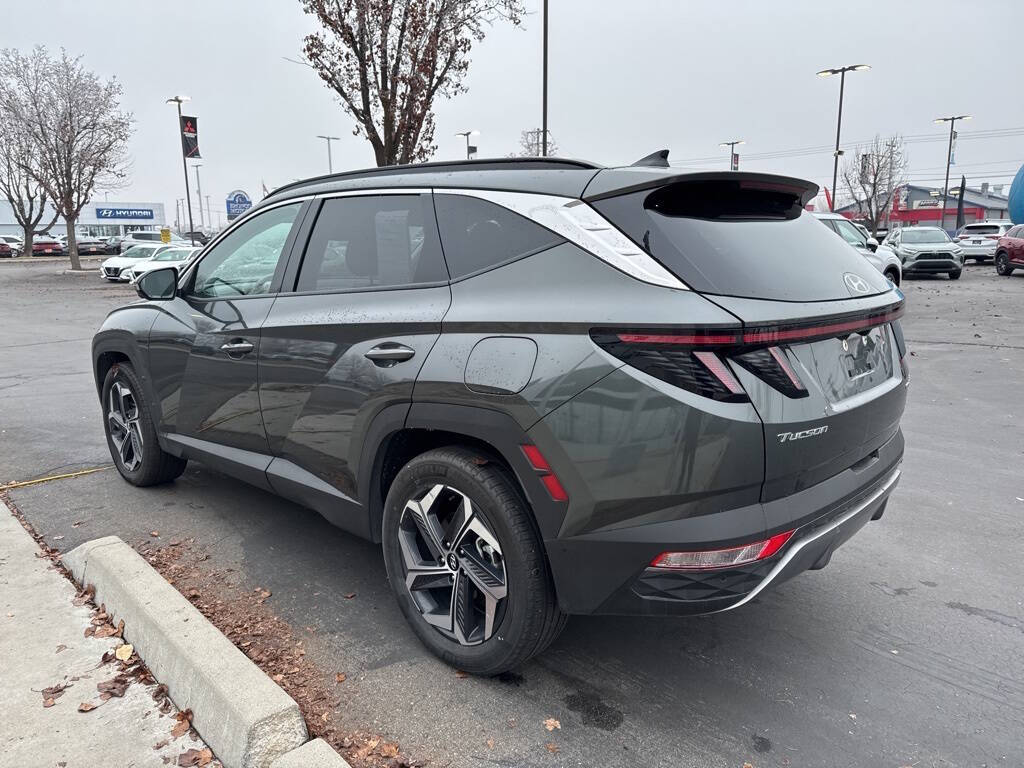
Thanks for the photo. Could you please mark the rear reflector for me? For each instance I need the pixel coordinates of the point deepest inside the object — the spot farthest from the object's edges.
(722, 558)
(547, 474)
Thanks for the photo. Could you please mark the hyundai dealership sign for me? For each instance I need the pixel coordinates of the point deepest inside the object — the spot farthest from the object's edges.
(108, 212)
(238, 203)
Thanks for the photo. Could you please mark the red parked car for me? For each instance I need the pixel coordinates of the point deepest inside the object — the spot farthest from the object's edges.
(1010, 251)
(47, 246)
(5, 250)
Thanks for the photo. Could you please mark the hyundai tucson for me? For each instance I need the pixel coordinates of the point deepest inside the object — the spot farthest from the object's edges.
(544, 386)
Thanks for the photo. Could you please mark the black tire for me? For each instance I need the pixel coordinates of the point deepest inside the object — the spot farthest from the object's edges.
(1003, 265)
(892, 276)
(955, 275)
(527, 619)
(154, 465)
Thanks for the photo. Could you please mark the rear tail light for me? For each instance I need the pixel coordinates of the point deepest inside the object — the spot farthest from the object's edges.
(697, 359)
(722, 558)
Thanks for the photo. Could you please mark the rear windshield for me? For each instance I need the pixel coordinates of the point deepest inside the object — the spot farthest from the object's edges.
(735, 239)
(982, 229)
(924, 236)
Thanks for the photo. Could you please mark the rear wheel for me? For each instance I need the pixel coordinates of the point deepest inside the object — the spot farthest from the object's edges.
(1003, 264)
(892, 276)
(131, 435)
(955, 275)
(466, 564)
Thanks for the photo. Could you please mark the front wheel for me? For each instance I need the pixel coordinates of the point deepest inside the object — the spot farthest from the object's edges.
(131, 436)
(892, 276)
(1003, 265)
(466, 564)
(955, 275)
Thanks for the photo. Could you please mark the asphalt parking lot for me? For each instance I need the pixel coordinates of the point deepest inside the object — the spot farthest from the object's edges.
(905, 651)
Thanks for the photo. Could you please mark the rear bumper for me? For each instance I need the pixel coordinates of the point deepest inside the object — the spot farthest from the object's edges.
(609, 573)
(979, 251)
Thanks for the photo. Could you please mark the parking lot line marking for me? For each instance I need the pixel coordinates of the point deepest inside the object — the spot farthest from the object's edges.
(79, 473)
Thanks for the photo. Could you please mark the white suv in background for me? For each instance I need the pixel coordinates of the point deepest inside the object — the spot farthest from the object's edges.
(884, 261)
(147, 237)
(979, 240)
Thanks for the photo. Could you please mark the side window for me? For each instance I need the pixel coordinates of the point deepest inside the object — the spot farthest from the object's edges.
(850, 233)
(477, 234)
(244, 262)
(376, 241)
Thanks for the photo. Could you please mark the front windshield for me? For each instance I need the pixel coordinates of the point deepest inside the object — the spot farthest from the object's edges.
(138, 252)
(930, 235)
(174, 254)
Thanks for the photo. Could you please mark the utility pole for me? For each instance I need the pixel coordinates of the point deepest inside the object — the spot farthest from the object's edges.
(949, 156)
(544, 116)
(209, 212)
(841, 71)
(329, 139)
(199, 193)
(179, 100)
(734, 160)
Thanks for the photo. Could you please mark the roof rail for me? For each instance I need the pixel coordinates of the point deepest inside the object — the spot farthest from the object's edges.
(487, 164)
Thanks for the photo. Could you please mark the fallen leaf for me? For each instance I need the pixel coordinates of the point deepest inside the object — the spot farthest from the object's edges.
(490, 743)
(76, 523)
(388, 750)
(184, 722)
(124, 652)
(748, 765)
(278, 678)
(195, 757)
(86, 706)
(349, 595)
(60, 648)
(340, 677)
(161, 744)
(47, 703)
(551, 724)
(54, 691)
(461, 674)
(553, 749)
(155, 534)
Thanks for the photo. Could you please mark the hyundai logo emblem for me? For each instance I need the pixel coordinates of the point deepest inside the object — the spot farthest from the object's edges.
(856, 283)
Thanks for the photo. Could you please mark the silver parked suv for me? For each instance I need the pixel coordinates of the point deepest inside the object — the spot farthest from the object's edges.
(544, 386)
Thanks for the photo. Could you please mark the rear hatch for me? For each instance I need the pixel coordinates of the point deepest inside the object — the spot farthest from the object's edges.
(817, 348)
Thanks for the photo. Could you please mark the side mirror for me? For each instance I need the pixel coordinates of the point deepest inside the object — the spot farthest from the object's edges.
(158, 285)
(872, 244)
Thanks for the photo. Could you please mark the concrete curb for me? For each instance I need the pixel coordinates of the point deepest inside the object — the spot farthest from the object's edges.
(241, 713)
(313, 754)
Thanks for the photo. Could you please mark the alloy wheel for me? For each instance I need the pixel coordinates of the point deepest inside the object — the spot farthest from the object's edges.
(454, 567)
(124, 426)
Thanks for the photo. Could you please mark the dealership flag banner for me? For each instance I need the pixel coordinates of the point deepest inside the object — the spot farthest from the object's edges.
(190, 137)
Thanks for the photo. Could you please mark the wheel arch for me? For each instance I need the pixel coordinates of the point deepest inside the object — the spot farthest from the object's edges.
(496, 435)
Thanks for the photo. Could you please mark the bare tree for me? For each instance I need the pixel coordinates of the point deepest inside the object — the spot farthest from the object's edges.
(26, 197)
(530, 144)
(872, 177)
(77, 131)
(388, 60)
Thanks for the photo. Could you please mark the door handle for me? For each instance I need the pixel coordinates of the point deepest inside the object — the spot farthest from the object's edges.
(237, 347)
(389, 353)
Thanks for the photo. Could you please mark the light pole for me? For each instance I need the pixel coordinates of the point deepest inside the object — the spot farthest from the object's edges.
(209, 212)
(733, 160)
(179, 100)
(841, 71)
(949, 156)
(329, 139)
(544, 110)
(470, 149)
(199, 193)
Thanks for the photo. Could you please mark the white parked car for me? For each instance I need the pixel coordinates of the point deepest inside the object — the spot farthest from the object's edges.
(116, 268)
(979, 240)
(175, 257)
(884, 260)
(147, 236)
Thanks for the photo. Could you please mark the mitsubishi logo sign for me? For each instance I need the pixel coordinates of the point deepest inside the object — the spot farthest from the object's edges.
(856, 283)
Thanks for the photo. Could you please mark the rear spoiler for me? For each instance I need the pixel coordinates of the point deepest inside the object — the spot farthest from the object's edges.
(612, 182)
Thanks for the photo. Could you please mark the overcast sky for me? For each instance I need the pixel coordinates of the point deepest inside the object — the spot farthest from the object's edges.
(626, 78)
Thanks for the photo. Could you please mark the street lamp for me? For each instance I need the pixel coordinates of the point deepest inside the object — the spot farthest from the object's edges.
(733, 164)
(179, 100)
(544, 109)
(199, 194)
(470, 150)
(329, 139)
(841, 71)
(949, 156)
